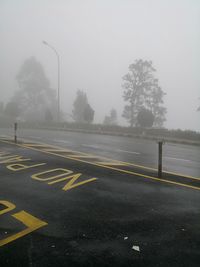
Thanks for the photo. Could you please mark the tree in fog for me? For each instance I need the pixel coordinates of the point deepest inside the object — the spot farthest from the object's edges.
(48, 116)
(34, 95)
(113, 116)
(141, 91)
(88, 114)
(145, 118)
(12, 110)
(82, 111)
(111, 119)
(1, 107)
(2, 115)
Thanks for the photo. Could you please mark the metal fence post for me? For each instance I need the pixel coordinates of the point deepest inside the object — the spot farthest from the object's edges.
(160, 143)
(15, 127)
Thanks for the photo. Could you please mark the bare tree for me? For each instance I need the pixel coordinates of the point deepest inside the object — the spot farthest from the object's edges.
(141, 91)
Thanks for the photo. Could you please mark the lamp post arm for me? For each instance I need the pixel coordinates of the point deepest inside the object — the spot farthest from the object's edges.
(58, 62)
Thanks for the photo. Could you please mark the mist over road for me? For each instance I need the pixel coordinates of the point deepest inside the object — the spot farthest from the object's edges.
(183, 159)
(72, 199)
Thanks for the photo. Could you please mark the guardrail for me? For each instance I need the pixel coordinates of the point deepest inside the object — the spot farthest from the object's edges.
(116, 131)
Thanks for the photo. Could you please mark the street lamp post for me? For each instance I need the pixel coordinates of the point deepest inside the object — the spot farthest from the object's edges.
(58, 61)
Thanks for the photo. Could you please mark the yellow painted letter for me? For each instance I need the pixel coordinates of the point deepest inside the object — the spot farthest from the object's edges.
(19, 167)
(42, 177)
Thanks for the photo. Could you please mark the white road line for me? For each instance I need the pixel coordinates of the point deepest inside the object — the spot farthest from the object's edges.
(5, 136)
(61, 141)
(115, 150)
(130, 152)
(92, 146)
(187, 160)
(35, 137)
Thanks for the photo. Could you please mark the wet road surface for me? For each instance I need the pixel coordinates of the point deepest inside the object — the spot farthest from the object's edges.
(60, 207)
(184, 159)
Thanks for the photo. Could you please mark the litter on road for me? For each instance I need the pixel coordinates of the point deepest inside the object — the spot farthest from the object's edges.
(136, 248)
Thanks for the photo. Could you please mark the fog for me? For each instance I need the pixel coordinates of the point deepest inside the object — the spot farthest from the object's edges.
(97, 40)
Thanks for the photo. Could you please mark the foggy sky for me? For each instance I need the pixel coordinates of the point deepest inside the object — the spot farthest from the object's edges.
(97, 40)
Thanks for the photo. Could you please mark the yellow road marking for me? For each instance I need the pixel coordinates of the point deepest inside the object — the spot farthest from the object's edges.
(28, 220)
(97, 156)
(121, 162)
(116, 169)
(71, 184)
(182, 175)
(85, 155)
(37, 145)
(73, 178)
(9, 206)
(2, 153)
(57, 150)
(124, 171)
(19, 167)
(39, 176)
(12, 158)
(7, 155)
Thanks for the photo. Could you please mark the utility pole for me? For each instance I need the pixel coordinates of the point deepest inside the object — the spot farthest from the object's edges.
(58, 81)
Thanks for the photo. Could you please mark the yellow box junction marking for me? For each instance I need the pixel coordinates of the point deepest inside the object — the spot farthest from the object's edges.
(79, 155)
(110, 164)
(32, 223)
(97, 160)
(58, 151)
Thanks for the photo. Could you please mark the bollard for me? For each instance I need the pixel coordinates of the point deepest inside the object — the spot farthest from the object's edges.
(15, 127)
(160, 143)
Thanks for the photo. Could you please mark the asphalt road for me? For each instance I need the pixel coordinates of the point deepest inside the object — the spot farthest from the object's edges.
(184, 159)
(95, 207)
